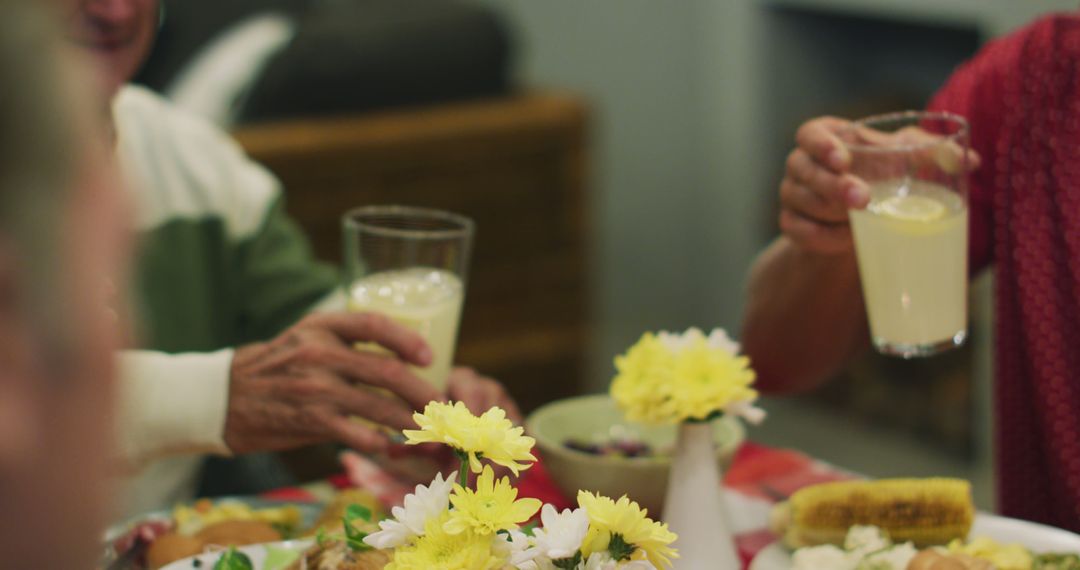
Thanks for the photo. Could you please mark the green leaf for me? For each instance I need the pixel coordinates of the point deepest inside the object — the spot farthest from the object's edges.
(234, 560)
(353, 512)
(707, 419)
(354, 537)
(568, 563)
(320, 536)
(620, 549)
(356, 542)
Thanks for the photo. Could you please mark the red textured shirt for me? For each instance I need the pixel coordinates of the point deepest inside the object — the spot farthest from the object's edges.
(1022, 97)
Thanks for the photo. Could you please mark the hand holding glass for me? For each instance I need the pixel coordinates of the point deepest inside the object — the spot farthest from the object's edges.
(410, 264)
(911, 240)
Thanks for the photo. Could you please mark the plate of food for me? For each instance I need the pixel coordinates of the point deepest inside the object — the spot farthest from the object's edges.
(154, 540)
(288, 555)
(907, 524)
(283, 555)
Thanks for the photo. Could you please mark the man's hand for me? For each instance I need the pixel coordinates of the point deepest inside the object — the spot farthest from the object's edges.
(819, 186)
(817, 190)
(305, 386)
(480, 393)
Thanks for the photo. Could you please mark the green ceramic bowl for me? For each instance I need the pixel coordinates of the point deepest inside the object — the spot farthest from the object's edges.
(592, 418)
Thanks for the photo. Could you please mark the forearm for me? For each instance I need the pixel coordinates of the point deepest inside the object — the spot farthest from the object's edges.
(172, 404)
(804, 317)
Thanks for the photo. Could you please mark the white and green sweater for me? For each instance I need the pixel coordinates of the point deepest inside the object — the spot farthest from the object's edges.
(219, 264)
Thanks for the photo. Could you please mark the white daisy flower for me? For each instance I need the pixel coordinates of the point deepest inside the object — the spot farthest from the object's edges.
(560, 535)
(516, 547)
(409, 520)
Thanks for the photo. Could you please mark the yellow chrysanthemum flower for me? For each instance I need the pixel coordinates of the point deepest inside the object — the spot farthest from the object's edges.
(672, 379)
(492, 507)
(624, 530)
(490, 436)
(642, 371)
(437, 549)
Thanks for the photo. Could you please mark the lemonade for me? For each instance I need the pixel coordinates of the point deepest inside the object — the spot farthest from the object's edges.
(424, 299)
(911, 244)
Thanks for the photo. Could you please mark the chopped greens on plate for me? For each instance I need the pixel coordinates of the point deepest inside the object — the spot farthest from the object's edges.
(233, 559)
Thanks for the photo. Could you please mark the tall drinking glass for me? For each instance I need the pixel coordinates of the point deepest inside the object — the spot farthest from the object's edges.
(911, 240)
(411, 265)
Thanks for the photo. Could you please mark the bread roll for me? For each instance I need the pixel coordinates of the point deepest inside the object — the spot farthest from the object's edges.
(238, 533)
(171, 547)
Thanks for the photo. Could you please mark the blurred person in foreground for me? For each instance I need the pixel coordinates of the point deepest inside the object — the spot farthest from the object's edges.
(806, 317)
(249, 347)
(63, 244)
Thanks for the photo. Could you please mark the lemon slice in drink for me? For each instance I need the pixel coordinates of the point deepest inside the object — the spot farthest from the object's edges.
(911, 208)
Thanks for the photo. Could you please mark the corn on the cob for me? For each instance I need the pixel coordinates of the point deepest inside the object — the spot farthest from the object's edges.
(924, 511)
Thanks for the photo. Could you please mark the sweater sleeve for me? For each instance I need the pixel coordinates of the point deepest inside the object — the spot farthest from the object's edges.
(278, 279)
(975, 91)
(172, 404)
(275, 279)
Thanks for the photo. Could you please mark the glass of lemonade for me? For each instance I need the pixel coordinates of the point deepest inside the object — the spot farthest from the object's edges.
(410, 264)
(911, 240)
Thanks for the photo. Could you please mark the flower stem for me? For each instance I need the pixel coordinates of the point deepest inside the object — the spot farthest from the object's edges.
(463, 473)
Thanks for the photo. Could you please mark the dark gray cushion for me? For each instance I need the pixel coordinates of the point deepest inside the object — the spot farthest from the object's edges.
(357, 55)
(348, 55)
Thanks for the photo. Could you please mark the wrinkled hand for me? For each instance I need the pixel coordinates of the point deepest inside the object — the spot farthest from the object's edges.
(480, 393)
(819, 188)
(304, 386)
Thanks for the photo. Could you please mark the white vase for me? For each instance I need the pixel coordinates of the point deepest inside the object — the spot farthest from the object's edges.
(694, 507)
